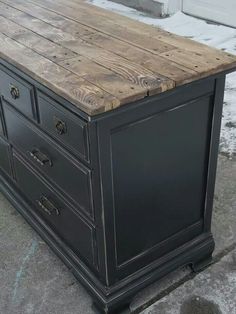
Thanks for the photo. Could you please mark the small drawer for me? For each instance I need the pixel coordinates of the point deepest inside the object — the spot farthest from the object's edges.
(17, 92)
(63, 125)
(52, 210)
(4, 157)
(71, 177)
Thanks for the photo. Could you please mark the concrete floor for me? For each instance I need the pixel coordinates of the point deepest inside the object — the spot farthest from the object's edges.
(34, 281)
(211, 292)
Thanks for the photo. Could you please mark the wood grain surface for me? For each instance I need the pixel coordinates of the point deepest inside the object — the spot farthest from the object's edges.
(96, 59)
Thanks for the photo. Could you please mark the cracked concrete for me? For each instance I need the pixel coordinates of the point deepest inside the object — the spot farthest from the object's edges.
(34, 281)
(212, 291)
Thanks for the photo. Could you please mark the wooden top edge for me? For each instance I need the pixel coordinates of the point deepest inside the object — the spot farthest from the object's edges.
(92, 62)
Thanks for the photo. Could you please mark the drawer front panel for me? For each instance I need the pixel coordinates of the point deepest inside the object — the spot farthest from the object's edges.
(70, 131)
(4, 156)
(17, 92)
(72, 178)
(57, 215)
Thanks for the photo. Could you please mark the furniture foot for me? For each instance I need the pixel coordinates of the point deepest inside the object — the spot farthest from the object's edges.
(201, 264)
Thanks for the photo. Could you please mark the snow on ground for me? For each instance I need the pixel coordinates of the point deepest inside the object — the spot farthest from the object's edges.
(219, 36)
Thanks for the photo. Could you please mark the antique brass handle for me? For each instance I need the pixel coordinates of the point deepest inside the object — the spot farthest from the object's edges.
(41, 158)
(47, 206)
(60, 126)
(14, 91)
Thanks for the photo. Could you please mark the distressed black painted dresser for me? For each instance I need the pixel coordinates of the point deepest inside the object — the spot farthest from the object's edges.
(109, 134)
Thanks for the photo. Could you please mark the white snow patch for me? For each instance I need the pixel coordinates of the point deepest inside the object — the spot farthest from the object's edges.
(218, 36)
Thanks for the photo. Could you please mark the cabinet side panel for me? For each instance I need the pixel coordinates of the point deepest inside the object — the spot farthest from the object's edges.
(159, 170)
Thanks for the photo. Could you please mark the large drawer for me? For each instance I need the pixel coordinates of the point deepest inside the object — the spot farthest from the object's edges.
(58, 216)
(4, 157)
(17, 92)
(65, 127)
(71, 177)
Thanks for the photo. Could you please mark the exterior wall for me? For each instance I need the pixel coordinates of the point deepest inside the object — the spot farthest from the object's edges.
(171, 6)
(223, 12)
(213, 10)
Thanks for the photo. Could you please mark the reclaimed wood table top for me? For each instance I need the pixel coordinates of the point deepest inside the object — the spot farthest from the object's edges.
(96, 59)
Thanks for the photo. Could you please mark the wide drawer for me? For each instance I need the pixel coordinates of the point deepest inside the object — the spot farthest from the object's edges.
(17, 92)
(71, 177)
(76, 233)
(4, 157)
(64, 126)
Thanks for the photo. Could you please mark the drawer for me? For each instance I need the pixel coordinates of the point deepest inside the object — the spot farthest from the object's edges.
(4, 157)
(17, 92)
(76, 233)
(71, 177)
(64, 126)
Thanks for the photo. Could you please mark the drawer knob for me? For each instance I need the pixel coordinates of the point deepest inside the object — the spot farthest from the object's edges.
(14, 91)
(41, 158)
(60, 126)
(47, 206)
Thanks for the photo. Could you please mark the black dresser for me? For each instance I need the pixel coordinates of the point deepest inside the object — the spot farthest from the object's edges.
(109, 148)
(123, 198)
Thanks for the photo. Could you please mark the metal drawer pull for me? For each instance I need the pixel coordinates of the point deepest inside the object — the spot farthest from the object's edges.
(41, 158)
(60, 126)
(14, 91)
(47, 206)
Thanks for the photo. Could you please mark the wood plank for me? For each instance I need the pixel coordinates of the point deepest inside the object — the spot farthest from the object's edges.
(108, 26)
(161, 35)
(173, 71)
(92, 72)
(133, 72)
(200, 62)
(140, 27)
(96, 59)
(83, 94)
(191, 45)
(31, 40)
(106, 79)
(114, 18)
(124, 32)
(50, 17)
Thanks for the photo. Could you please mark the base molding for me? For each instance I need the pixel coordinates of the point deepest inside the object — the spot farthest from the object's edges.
(109, 299)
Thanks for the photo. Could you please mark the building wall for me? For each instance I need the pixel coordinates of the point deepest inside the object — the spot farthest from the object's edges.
(223, 12)
(171, 6)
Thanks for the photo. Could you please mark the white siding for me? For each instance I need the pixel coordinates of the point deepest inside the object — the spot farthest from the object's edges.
(221, 11)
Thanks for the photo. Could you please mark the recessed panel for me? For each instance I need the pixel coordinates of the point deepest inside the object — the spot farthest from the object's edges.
(159, 176)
